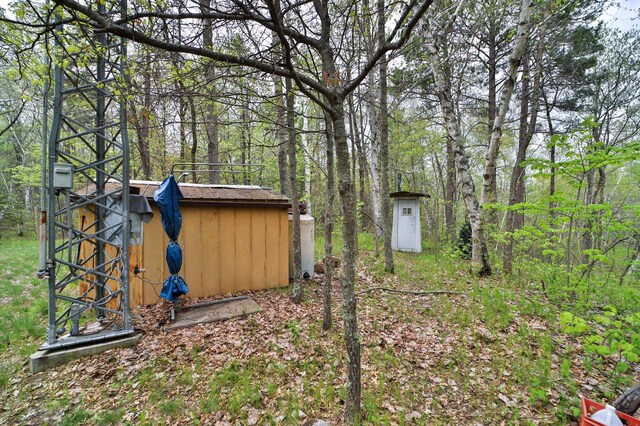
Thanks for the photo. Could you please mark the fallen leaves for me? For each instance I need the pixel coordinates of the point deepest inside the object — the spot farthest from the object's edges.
(425, 360)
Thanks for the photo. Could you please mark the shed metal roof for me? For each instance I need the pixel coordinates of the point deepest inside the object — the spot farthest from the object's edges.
(219, 194)
(213, 195)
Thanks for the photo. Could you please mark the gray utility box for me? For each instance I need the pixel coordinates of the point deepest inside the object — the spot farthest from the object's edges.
(62, 175)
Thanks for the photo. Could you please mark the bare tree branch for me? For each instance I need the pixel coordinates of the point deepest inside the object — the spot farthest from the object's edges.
(14, 120)
(411, 292)
(390, 44)
(102, 22)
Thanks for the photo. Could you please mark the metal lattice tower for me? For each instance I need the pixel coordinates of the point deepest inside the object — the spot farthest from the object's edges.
(88, 187)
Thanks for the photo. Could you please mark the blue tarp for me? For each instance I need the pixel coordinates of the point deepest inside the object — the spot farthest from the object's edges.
(167, 197)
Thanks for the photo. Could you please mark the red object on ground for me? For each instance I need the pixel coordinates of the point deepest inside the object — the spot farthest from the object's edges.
(589, 407)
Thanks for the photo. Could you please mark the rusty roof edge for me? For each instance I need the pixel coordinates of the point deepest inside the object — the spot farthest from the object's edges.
(228, 194)
(196, 185)
(235, 203)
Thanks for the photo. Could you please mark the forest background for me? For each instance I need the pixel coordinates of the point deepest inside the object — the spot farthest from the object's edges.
(519, 119)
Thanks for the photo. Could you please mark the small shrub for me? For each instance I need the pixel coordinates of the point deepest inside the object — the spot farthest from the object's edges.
(463, 243)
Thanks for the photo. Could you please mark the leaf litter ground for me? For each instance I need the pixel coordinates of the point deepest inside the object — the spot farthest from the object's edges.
(489, 356)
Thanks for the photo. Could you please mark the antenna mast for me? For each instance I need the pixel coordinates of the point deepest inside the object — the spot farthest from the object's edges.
(87, 185)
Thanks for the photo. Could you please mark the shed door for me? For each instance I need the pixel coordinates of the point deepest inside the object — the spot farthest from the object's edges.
(406, 225)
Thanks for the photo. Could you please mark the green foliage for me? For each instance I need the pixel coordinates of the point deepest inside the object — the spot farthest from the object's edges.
(294, 329)
(572, 324)
(110, 417)
(20, 129)
(463, 243)
(565, 368)
(171, 407)
(76, 417)
(607, 334)
(617, 335)
(552, 242)
(496, 310)
(538, 395)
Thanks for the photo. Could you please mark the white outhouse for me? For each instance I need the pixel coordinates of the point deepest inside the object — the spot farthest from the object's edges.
(406, 233)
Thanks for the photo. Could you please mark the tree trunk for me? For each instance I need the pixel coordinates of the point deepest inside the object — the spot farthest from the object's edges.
(346, 190)
(599, 197)
(182, 116)
(492, 217)
(212, 127)
(307, 155)
(629, 402)
(586, 238)
(165, 136)
(516, 187)
(212, 120)
(328, 227)
(515, 220)
(146, 114)
(594, 183)
(296, 288)
(181, 92)
(372, 113)
(489, 176)
(194, 137)
(435, 205)
(592, 234)
(552, 157)
(141, 120)
(384, 145)
(362, 167)
(450, 194)
(347, 278)
(246, 137)
(374, 131)
(441, 72)
(352, 140)
(353, 169)
(281, 133)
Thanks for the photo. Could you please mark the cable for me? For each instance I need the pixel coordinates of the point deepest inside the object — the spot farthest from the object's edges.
(153, 285)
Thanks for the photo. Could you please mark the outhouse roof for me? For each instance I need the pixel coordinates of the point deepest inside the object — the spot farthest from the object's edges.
(407, 194)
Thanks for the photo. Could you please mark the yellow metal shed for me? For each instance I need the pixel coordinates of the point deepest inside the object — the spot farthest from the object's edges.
(233, 238)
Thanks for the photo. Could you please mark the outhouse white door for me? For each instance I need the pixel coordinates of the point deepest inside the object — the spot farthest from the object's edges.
(406, 225)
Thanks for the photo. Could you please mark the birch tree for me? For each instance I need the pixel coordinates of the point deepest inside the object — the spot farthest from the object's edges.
(489, 175)
(438, 55)
(529, 103)
(383, 120)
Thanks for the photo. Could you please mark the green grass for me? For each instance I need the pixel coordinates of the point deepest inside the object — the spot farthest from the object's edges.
(110, 417)
(76, 417)
(23, 305)
(171, 406)
(366, 241)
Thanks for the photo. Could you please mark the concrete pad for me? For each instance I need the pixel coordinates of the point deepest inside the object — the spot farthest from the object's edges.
(190, 317)
(44, 360)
